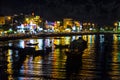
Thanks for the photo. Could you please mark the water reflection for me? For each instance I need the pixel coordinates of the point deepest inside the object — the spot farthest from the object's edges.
(103, 57)
(99, 61)
(73, 66)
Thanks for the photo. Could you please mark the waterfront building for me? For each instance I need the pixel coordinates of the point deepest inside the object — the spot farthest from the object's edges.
(2, 20)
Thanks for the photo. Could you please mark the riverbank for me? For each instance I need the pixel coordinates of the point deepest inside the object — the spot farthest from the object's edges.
(23, 36)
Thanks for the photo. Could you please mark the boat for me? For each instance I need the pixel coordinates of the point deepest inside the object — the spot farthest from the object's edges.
(43, 52)
(76, 48)
(61, 46)
(32, 44)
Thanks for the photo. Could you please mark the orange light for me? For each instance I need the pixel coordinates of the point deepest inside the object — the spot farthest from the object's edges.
(115, 24)
(9, 18)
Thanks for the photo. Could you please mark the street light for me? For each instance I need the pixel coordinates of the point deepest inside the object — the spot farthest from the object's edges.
(115, 24)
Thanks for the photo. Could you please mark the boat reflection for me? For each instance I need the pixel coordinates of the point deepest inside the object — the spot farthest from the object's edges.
(73, 66)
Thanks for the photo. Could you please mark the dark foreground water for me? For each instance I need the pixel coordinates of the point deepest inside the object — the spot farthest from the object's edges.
(100, 60)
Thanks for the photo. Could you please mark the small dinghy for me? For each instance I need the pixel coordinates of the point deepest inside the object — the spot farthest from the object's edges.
(32, 44)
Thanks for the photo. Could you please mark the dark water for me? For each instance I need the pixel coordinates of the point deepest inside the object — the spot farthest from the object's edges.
(100, 60)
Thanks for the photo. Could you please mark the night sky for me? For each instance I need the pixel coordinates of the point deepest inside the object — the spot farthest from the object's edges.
(102, 11)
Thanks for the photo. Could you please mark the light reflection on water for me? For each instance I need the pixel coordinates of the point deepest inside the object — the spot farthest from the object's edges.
(100, 60)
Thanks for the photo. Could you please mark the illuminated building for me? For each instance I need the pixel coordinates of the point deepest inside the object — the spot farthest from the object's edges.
(31, 24)
(2, 20)
(67, 22)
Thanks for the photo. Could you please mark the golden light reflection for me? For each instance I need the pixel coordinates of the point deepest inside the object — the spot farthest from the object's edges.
(9, 65)
(58, 62)
(55, 56)
(62, 41)
(85, 37)
(9, 70)
(67, 40)
(26, 65)
(58, 57)
(37, 47)
(115, 39)
(56, 41)
(91, 38)
(10, 77)
(37, 65)
(32, 66)
(37, 59)
(116, 56)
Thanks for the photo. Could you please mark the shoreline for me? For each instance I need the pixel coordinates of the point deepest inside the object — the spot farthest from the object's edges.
(24, 36)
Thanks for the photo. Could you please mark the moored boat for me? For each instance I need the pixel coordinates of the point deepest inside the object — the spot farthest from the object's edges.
(32, 44)
(61, 46)
(76, 47)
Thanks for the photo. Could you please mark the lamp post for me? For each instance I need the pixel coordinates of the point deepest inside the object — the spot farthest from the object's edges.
(10, 19)
(115, 24)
